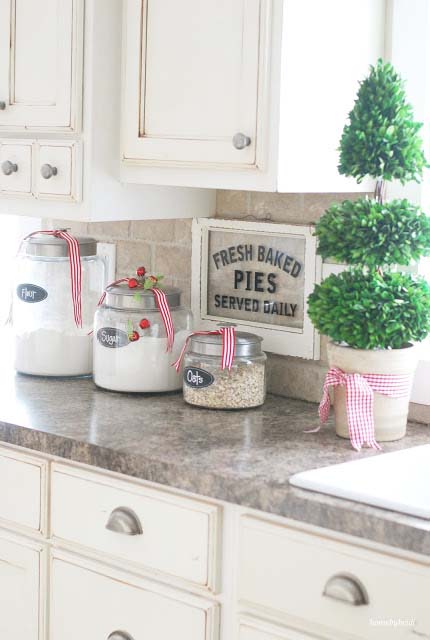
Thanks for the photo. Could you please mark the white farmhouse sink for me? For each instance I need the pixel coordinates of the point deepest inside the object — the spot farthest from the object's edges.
(398, 481)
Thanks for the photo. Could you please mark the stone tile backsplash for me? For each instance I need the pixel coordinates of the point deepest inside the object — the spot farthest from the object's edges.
(164, 246)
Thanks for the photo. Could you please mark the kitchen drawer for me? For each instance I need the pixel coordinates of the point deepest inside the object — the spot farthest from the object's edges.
(258, 630)
(15, 168)
(175, 535)
(93, 604)
(285, 572)
(56, 171)
(23, 480)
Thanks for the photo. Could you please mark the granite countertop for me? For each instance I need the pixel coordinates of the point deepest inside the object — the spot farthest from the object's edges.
(242, 457)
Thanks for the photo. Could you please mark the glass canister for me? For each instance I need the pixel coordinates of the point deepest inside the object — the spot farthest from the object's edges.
(206, 384)
(48, 341)
(130, 340)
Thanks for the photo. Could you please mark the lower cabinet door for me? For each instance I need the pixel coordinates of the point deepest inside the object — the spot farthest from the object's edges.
(97, 604)
(19, 591)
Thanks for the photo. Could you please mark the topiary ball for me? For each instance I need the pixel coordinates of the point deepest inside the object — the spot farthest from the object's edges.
(371, 310)
(373, 234)
(382, 139)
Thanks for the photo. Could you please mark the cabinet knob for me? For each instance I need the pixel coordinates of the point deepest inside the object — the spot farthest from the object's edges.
(48, 171)
(240, 141)
(124, 520)
(347, 589)
(9, 167)
(2, 105)
(120, 635)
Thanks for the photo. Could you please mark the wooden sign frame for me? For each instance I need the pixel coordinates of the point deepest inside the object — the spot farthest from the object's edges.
(300, 342)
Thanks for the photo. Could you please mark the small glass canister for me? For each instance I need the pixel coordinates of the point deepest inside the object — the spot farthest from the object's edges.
(130, 340)
(49, 338)
(206, 384)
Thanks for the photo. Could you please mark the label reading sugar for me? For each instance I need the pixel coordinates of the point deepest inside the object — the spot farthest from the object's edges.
(31, 293)
(112, 338)
(197, 378)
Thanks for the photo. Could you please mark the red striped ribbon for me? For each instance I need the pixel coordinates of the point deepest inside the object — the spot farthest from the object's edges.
(75, 268)
(360, 390)
(228, 346)
(163, 307)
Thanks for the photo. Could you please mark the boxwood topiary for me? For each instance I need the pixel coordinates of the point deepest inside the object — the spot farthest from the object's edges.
(373, 234)
(366, 307)
(372, 310)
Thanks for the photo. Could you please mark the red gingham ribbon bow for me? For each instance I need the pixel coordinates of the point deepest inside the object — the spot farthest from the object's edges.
(360, 389)
(163, 307)
(75, 268)
(228, 346)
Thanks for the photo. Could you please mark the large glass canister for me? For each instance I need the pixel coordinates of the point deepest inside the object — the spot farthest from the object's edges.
(48, 339)
(130, 340)
(207, 384)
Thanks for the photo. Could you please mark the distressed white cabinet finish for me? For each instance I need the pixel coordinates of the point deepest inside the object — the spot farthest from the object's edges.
(283, 73)
(23, 481)
(61, 80)
(83, 503)
(277, 579)
(39, 56)
(20, 578)
(191, 79)
(94, 603)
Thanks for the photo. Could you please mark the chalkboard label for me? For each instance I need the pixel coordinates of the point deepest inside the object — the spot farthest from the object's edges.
(31, 293)
(112, 338)
(197, 378)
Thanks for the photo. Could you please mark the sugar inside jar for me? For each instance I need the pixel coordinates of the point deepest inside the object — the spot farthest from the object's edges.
(130, 340)
(207, 384)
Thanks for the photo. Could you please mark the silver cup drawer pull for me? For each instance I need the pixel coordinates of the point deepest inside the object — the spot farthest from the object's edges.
(2, 105)
(47, 171)
(124, 520)
(345, 588)
(9, 167)
(120, 635)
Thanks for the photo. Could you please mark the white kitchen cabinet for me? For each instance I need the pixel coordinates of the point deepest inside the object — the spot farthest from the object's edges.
(21, 615)
(40, 79)
(198, 68)
(243, 94)
(92, 602)
(69, 61)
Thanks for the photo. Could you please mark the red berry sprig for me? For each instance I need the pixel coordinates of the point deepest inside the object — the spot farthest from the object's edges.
(140, 272)
(144, 323)
(133, 336)
(132, 283)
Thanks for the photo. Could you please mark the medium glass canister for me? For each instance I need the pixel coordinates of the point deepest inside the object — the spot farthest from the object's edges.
(130, 341)
(206, 384)
(48, 340)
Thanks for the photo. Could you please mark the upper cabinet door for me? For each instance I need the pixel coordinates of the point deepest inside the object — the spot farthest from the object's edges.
(39, 64)
(191, 81)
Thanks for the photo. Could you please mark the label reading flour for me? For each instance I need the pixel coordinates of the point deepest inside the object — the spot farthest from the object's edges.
(197, 378)
(112, 338)
(31, 293)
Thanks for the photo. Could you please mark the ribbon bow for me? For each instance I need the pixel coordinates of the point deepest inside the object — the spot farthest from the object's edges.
(228, 346)
(75, 268)
(163, 307)
(360, 390)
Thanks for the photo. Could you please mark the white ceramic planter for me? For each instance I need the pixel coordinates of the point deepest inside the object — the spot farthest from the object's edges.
(390, 414)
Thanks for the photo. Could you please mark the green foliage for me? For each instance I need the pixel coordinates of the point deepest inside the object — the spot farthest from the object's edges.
(382, 139)
(372, 310)
(373, 234)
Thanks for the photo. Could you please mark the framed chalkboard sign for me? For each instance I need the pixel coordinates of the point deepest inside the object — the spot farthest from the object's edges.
(257, 275)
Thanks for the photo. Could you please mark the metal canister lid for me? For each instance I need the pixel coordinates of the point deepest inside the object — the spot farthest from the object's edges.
(247, 344)
(52, 247)
(120, 296)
